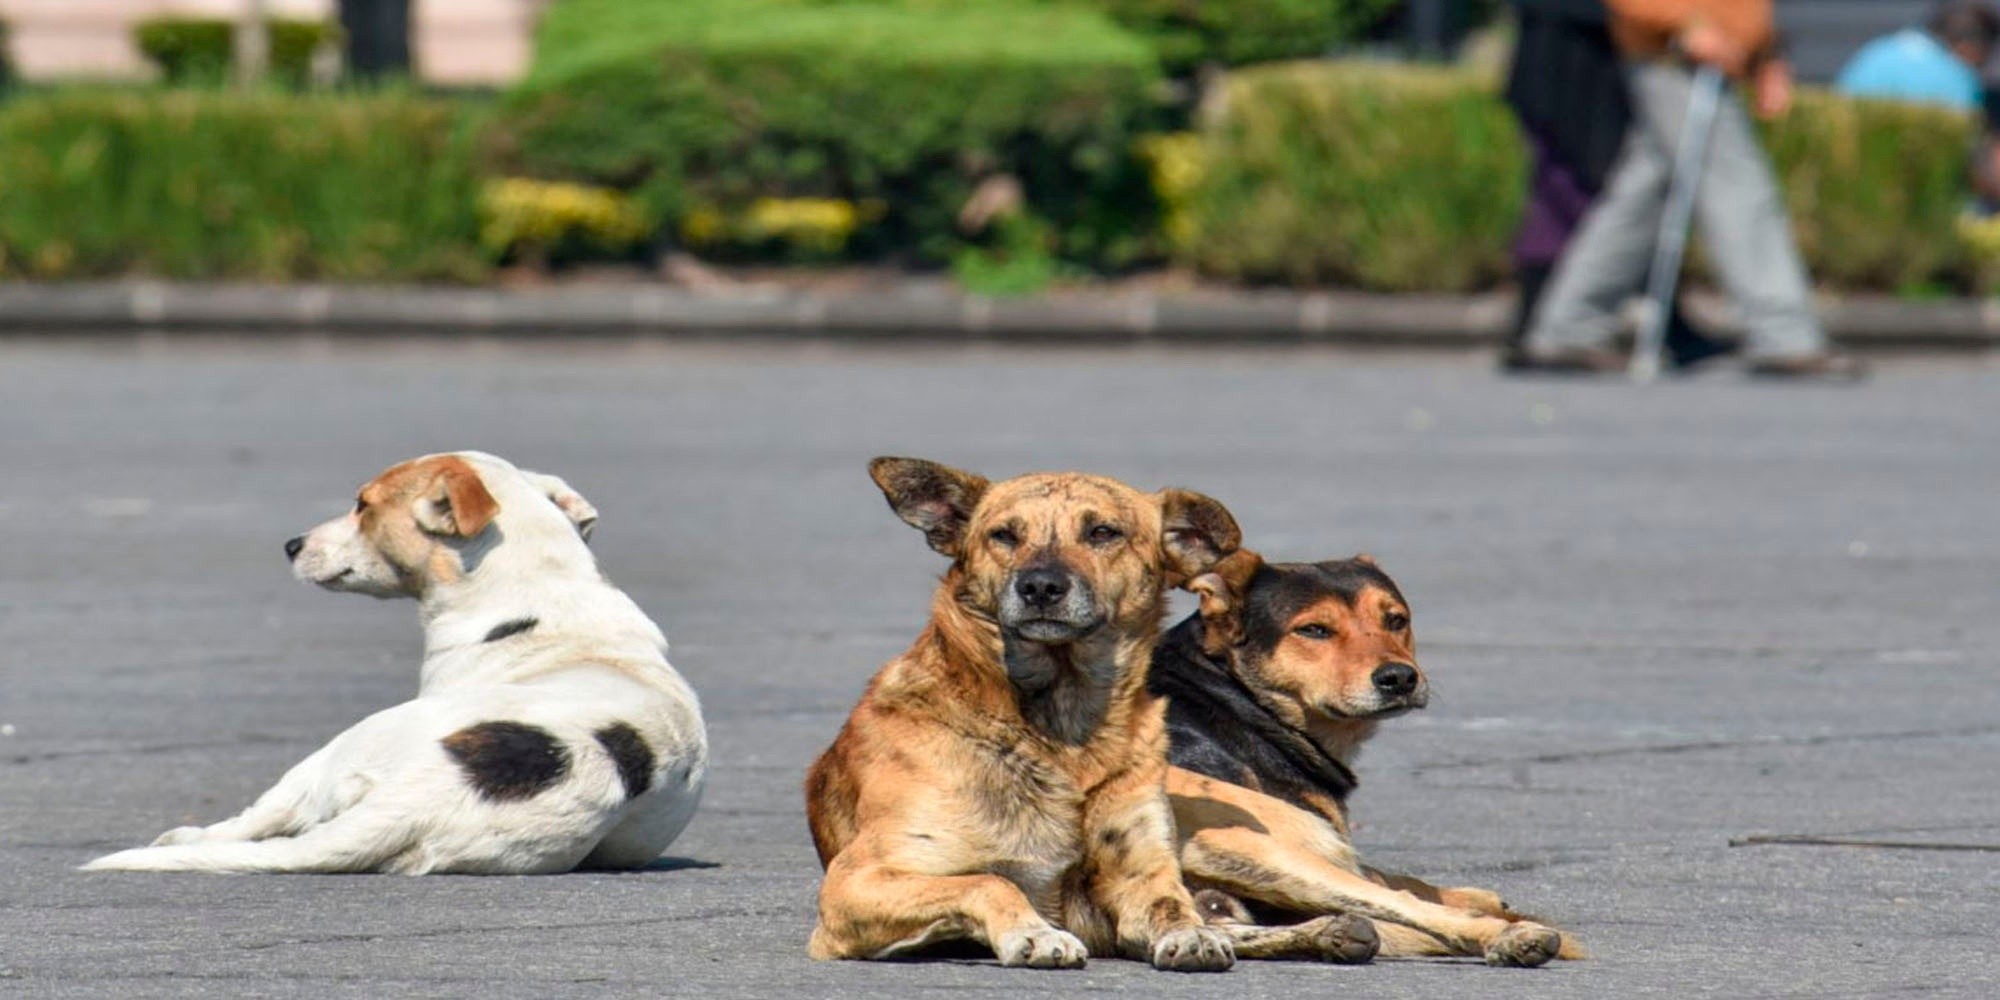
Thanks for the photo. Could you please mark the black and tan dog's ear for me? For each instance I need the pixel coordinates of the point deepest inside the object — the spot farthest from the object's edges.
(581, 513)
(457, 501)
(934, 499)
(1222, 591)
(1196, 532)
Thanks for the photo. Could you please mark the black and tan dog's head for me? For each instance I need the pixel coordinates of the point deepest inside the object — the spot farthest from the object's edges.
(1324, 642)
(1055, 558)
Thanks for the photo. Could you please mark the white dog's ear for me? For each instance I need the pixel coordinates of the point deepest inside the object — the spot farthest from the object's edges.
(579, 511)
(456, 502)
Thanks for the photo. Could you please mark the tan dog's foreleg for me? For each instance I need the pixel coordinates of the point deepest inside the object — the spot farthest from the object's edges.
(868, 909)
(1130, 831)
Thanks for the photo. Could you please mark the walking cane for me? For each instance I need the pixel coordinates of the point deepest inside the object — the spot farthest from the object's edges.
(1689, 158)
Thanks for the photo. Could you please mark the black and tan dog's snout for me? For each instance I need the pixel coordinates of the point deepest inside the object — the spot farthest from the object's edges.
(1400, 685)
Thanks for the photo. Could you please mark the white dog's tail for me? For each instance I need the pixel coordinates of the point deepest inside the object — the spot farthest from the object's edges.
(359, 840)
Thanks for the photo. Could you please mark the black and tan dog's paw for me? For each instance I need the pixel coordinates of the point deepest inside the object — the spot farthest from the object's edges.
(1345, 939)
(1524, 945)
(1193, 949)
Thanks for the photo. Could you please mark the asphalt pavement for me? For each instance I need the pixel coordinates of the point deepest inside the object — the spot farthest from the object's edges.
(1655, 619)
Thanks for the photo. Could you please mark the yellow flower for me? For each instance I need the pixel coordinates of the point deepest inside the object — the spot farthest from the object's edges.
(518, 212)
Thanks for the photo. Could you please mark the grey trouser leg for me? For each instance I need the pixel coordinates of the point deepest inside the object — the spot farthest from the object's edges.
(1739, 212)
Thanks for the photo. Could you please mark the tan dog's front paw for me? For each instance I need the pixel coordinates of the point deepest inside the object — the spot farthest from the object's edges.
(181, 835)
(1041, 948)
(1193, 949)
(1524, 944)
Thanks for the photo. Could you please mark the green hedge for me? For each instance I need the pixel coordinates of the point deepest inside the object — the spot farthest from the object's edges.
(705, 106)
(201, 184)
(1875, 190)
(1192, 33)
(1396, 178)
(1359, 174)
(202, 50)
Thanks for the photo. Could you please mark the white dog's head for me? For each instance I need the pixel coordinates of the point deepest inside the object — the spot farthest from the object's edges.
(431, 521)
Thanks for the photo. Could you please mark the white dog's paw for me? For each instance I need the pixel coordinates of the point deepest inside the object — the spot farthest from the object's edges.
(1041, 948)
(1193, 949)
(181, 835)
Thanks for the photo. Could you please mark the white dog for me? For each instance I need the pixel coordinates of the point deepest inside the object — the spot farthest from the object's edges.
(548, 731)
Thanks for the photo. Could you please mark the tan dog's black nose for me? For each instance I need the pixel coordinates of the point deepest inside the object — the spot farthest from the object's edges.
(1042, 588)
(1395, 679)
(293, 546)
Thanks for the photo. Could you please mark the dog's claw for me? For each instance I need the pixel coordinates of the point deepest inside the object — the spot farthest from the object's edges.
(1525, 945)
(1041, 948)
(1193, 949)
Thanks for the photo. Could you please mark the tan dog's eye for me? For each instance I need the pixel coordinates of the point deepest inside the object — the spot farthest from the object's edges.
(1395, 621)
(1004, 537)
(1313, 630)
(1105, 534)
(360, 505)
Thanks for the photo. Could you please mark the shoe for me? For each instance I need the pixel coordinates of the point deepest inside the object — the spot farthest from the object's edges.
(1569, 361)
(1689, 348)
(1823, 365)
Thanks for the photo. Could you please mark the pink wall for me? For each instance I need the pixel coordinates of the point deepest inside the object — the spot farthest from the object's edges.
(465, 42)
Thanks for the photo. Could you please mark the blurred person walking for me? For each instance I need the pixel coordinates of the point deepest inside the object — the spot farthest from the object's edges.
(1566, 87)
(1939, 63)
(1741, 214)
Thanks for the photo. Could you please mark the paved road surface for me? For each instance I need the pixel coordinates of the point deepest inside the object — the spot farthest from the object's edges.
(1655, 619)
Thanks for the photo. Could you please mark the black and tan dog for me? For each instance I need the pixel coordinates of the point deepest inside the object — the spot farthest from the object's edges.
(1274, 683)
(1001, 783)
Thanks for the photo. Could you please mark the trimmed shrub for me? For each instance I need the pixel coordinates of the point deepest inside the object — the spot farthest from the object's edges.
(1399, 178)
(1875, 189)
(1384, 177)
(203, 50)
(209, 184)
(1191, 33)
(707, 107)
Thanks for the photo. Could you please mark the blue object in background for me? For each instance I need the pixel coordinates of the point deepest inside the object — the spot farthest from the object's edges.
(1910, 65)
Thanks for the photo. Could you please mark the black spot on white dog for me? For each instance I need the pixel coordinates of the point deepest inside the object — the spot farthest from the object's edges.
(510, 628)
(504, 761)
(634, 758)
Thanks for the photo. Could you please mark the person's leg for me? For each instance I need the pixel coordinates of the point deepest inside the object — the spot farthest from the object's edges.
(1606, 262)
(1557, 204)
(1742, 218)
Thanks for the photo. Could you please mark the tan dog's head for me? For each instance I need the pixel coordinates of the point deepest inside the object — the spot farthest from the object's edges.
(1323, 641)
(431, 520)
(1054, 558)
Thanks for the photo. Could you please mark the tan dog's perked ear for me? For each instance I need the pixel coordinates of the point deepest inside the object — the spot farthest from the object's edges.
(1221, 590)
(580, 512)
(1196, 532)
(935, 499)
(457, 502)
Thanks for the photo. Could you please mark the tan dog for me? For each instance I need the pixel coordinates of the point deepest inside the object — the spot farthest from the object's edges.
(1000, 782)
(1275, 683)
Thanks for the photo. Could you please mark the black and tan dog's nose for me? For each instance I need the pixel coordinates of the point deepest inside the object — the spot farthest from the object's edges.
(293, 546)
(1395, 679)
(1042, 588)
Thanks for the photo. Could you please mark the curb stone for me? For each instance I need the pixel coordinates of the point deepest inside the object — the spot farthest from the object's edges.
(913, 310)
